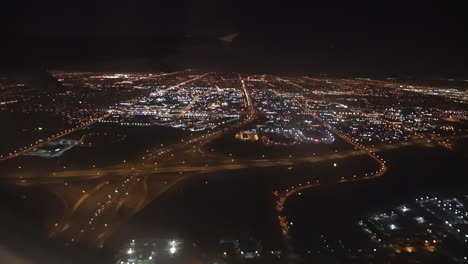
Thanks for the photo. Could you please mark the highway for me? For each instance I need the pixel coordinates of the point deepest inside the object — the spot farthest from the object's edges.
(283, 196)
(187, 108)
(183, 83)
(53, 137)
(98, 200)
(95, 207)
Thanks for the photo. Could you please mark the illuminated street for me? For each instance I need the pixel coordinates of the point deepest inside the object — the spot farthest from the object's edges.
(270, 123)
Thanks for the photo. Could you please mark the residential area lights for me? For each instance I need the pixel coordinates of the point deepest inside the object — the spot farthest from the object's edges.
(368, 115)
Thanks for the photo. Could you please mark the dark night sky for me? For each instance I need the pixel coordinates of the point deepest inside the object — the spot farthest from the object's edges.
(282, 36)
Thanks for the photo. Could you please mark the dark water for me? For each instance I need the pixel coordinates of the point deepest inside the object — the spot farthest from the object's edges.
(413, 172)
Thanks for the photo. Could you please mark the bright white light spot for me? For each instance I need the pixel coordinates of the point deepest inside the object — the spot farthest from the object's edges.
(172, 250)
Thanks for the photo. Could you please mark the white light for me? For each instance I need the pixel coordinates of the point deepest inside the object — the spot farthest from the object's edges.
(172, 250)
